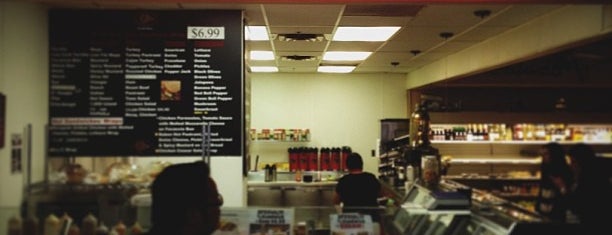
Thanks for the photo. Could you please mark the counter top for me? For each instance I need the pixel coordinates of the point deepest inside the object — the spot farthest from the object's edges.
(290, 183)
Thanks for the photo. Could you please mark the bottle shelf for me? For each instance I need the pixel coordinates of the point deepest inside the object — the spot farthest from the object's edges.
(495, 161)
(519, 117)
(536, 142)
(280, 141)
(280, 135)
(489, 178)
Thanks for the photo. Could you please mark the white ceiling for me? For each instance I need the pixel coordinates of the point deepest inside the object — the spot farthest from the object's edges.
(421, 27)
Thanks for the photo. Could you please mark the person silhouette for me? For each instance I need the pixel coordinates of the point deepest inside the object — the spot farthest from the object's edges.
(555, 182)
(358, 191)
(185, 201)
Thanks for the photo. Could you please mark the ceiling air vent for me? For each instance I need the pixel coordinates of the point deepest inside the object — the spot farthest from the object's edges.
(307, 37)
(298, 57)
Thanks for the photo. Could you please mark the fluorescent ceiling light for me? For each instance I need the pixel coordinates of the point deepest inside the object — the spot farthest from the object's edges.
(335, 69)
(367, 34)
(262, 55)
(256, 33)
(346, 55)
(263, 69)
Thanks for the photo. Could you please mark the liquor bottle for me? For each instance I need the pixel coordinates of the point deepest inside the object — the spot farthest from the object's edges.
(420, 144)
(90, 223)
(419, 127)
(15, 226)
(470, 133)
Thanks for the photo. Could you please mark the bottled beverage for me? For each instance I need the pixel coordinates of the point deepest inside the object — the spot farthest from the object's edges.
(419, 127)
(120, 228)
(470, 133)
(420, 145)
(136, 229)
(52, 225)
(30, 226)
(14, 225)
(90, 223)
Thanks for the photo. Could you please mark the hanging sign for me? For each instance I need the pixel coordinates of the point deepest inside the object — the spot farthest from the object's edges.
(144, 83)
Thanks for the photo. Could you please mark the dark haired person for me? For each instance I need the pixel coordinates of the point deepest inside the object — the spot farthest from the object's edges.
(185, 201)
(590, 198)
(555, 181)
(358, 191)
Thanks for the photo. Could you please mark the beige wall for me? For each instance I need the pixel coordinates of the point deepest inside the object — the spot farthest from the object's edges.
(339, 110)
(23, 79)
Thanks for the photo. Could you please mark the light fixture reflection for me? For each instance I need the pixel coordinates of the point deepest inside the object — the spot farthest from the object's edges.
(261, 55)
(335, 69)
(256, 33)
(264, 69)
(346, 55)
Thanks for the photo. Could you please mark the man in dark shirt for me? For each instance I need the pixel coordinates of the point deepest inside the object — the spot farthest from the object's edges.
(358, 191)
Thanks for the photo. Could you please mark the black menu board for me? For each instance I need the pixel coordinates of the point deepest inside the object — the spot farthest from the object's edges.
(146, 83)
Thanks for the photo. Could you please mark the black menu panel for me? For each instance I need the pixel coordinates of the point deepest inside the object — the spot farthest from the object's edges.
(145, 83)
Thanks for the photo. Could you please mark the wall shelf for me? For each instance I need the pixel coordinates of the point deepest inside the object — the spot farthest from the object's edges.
(518, 142)
(520, 117)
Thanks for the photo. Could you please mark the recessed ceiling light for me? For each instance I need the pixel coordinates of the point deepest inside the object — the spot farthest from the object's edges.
(336, 69)
(367, 34)
(263, 69)
(346, 55)
(262, 55)
(256, 33)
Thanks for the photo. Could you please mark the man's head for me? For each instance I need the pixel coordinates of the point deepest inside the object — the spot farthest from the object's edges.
(185, 200)
(354, 161)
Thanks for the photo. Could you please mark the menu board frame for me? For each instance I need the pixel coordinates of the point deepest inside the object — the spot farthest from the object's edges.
(146, 83)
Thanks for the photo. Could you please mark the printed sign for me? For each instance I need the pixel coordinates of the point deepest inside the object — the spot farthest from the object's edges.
(351, 224)
(145, 83)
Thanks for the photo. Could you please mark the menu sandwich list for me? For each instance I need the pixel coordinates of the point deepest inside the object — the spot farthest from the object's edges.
(146, 90)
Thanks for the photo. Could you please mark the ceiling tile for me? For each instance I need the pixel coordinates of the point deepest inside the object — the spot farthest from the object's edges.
(302, 15)
(259, 45)
(409, 45)
(481, 33)
(373, 21)
(451, 46)
(354, 46)
(385, 59)
(300, 46)
(519, 14)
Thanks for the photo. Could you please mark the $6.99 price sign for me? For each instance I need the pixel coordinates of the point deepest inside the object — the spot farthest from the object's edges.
(206, 33)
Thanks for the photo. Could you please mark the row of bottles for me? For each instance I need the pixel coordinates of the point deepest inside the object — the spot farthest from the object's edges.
(64, 225)
(280, 134)
(520, 132)
(313, 159)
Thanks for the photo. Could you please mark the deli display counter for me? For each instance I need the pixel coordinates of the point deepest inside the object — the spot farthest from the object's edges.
(450, 208)
(453, 208)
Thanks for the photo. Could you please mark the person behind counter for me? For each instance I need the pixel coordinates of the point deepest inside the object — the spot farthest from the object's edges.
(591, 194)
(358, 191)
(555, 181)
(185, 201)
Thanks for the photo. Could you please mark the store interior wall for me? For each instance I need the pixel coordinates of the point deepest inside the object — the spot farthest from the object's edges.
(24, 82)
(338, 109)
